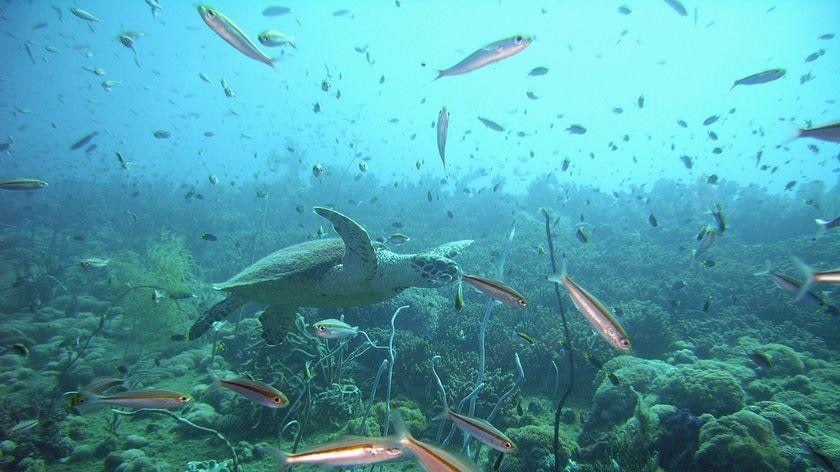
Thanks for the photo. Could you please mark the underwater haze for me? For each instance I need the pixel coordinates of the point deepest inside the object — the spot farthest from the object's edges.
(420, 235)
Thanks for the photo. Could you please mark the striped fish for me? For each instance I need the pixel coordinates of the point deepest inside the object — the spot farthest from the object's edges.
(431, 458)
(140, 399)
(791, 286)
(343, 453)
(496, 290)
(481, 430)
(332, 328)
(442, 127)
(598, 317)
(232, 34)
(253, 390)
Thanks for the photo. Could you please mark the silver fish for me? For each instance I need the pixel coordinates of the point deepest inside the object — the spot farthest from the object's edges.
(760, 78)
(275, 38)
(677, 6)
(487, 55)
(332, 328)
(85, 15)
(431, 458)
(791, 286)
(343, 453)
(829, 132)
(231, 33)
(482, 430)
(491, 124)
(442, 128)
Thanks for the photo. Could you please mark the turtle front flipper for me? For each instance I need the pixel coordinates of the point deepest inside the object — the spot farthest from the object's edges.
(359, 256)
(450, 250)
(217, 312)
(276, 321)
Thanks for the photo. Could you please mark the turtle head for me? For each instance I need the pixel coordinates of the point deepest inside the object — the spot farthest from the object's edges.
(432, 271)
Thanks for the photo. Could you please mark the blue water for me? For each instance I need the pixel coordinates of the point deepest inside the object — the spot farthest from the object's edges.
(241, 169)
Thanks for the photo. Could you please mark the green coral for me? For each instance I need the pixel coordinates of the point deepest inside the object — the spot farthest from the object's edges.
(740, 442)
(702, 390)
(534, 446)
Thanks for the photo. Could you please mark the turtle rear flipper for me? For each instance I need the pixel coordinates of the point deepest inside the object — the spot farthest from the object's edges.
(359, 256)
(217, 312)
(276, 321)
(450, 250)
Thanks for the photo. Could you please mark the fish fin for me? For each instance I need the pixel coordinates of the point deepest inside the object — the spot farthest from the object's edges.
(215, 382)
(808, 272)
(558, 277)
(278, 455)
(821, 227)
(443, 415)
(439, 75)
(766, 271)
(401, 432)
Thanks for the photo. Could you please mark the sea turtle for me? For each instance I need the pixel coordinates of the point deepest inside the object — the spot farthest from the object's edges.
(329, 273)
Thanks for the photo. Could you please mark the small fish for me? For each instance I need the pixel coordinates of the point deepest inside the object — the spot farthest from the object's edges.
(274, 39)
(581, 235)
(208, 237)
(496, 290)
(162, 134)
(760, 78)
(538, 71)
(155, 7)
(256, 391)
(481, 430)
(442, 129)
(532, 95)
(566, 163)
(398, 238)
(526, 338)
(677, 6)
(212, 179)
(85, 15)
(157, 295)
(231, 33)
(576, 129)
(815, 55)
(686, 160)
(139, 399)
(708, 303)
(110, 84)
(624, 10)
(640, 102)
(823, 225)
(598, 317)
(22, 426)
(826, 36)
(124, 164)
(706, 241)
(711, 120)
(18, 349)
(682, 123)
(276, 11)
(332, 328)
(487, 55)
(342, 12)
(712, 179)
(720, 219)
(790, 185)
(179, 337)
(761, 358)
(652, 220)
(431, 458)
(342, 453)
(22, 184)
(678, 285)
(491, 124)
(83, 141)
(459, 297)
(94, 263)
(829, 132)
(707, 263)
(317, 170)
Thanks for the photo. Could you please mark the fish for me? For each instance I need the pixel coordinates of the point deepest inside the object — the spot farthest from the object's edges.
(317, 170)
(256, 391)
(94, 263)
(566, 163)
(22, 426)
(162, 134)
(276, 11)
(678, 285)
(823, 225)
(538, 71)
(22, 184)
(720, 219)
(496, 290)
(761, 358)
(208, 237)
(760, 78)
(711, 120)
(652, 220)
(576, 129)
(600, 366)
(459, 297)
(487, 55)
(442, 129)
(481, 430)
(345, 452)
(124, 164)
(811, 277)
(83, 141)
(155, 7)
(157, 295)
(213, 179)
(532, 95)
(705, 241)
(109, 84)
(491, 124)
(708, 303)
(707, 263)
(139, 399)
(431, 458)
(342, 12)
(581, 235)
(398, 238)
(332, 328)
(85, 15)
(528, 339)
(677, 6)
(791, 286)
(640, 102)
(624, 10)
(682, 123)
(829, 132)
(712, 179)
(274, 39)
(19, 349)
(598, 317)
(231, 33)
(686, 160)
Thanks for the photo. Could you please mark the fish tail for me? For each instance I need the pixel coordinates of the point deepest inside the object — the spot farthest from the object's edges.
(215, 381)
(440, 73)
(89, 401)
(765, 272)
(444, 414)
(401, 432)
(281, 457)
(808, 272)
(558, 277)
(821, 227)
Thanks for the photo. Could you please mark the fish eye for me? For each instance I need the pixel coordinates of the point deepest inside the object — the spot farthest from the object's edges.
(517, 40)
(624, 343)
(211, 13)
(277, 400)
(508, 445)
(184, 398)
(522, 303)
(322, 328)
